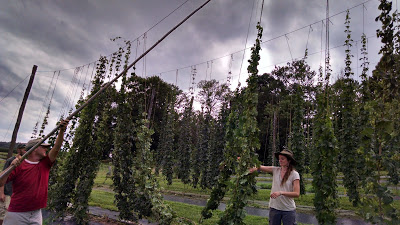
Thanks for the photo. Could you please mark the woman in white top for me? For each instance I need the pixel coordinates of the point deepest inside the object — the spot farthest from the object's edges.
(285, 187)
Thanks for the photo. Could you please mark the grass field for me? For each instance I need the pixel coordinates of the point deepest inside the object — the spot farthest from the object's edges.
(185, 213)
(102, 182)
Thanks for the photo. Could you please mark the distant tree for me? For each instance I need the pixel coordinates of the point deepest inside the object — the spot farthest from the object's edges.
(211, 96)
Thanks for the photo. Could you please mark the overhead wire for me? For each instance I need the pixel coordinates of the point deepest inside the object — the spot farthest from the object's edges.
(308, 38)
(263, 42)
(290, 51)
(317, 52)
(262, 8)
(14, 88)
(133, 39)
(9, 126)
(91, 76)
(42, 109)
(269, 40)
(137, 39)
(247, 36)
(77, 86)
(215, 58)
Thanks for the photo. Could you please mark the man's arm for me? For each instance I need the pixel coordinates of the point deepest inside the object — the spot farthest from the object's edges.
(60, 139)
(15, 162)
(2, 195)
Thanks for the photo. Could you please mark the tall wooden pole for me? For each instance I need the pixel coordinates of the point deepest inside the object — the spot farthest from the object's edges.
(21, 112)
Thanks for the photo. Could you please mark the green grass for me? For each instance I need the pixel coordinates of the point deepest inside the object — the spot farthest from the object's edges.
(106, 199)
(103, 199)
(193, 213)
(185, 213)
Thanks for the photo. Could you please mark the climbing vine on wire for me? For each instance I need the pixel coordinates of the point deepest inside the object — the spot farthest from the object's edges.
(241, 140)
(380, 139)
(347, 132)
(75, 171)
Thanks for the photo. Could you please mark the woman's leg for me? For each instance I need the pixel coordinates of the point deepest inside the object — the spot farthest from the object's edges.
(275, 216)
(289, 217)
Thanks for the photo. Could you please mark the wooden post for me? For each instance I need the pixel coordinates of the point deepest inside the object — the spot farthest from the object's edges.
(21, 112)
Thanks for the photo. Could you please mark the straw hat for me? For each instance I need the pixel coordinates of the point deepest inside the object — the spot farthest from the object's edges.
(288, 154)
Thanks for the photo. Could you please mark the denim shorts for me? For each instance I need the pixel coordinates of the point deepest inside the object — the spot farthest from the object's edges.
(276, 217)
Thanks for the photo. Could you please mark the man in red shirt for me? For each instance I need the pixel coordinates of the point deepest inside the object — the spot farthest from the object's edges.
(6, 190)
(30, 181)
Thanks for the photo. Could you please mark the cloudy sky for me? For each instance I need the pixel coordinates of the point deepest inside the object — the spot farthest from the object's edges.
(60, 36)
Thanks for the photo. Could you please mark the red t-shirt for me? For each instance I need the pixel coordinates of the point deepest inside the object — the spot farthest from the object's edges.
(30, 183)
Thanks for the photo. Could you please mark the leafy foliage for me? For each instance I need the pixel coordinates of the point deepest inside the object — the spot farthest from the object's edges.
(346, 129)
(146, 186)
(185, 145)
(324, 166)
(241, 140)
(297, 139)
(166, 145)
(210, 149)
(380, 140)
(77, 173)
(324, 156)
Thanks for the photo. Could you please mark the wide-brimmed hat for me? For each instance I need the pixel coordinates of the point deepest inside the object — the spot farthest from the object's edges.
(33, 142)
(288, 154)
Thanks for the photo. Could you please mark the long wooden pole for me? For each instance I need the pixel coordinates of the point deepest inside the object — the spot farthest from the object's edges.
(106, 85)
(21, 112)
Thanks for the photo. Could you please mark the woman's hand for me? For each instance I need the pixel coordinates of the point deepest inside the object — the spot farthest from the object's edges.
(276, 194)
(252, 170)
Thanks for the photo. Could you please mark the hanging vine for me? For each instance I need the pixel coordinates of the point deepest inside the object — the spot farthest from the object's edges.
(297, 139)
(166, 145)
(380, 139)
(74, 170)
(347, 136)
(185, 144)
(241, 140)
(150, 201)
(325, 153)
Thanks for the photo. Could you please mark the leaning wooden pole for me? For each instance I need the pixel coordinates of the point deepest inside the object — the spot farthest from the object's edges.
(105, 86)
(21, 112)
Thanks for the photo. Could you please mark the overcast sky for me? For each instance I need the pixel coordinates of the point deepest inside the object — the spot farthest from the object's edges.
(64, 35)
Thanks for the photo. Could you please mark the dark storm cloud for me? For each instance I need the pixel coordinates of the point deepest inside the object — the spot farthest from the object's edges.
(7, 81)
(57, 35)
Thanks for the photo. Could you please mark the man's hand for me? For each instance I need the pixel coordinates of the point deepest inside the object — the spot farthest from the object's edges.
(59, 140)
(64, 124)
(2, 197)
(16, 161)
